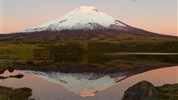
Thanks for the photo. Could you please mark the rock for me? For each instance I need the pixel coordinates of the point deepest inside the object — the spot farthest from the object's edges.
(141, 91)
(8, 93)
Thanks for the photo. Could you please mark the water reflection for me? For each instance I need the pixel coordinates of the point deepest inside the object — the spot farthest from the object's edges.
(86, 84)
(10, 70)
(44, 89)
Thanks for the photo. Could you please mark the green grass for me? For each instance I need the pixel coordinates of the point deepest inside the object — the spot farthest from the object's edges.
(27, 50)
(17, 50)
(168, 92)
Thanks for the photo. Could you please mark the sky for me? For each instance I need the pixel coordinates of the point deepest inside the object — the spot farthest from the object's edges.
(158, 16)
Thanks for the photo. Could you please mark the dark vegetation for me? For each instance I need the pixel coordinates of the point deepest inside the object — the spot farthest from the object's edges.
(97, 63)
(86, 56)
(168, 92)
(98, 48)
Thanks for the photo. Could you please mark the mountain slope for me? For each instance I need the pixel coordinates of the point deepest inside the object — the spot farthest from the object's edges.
(87, 35)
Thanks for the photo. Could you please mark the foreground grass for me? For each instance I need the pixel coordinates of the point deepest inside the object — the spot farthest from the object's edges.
(17, 50)
(168, 92)
(14, 94)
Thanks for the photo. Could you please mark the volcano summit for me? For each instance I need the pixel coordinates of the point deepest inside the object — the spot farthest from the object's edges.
(82, 18)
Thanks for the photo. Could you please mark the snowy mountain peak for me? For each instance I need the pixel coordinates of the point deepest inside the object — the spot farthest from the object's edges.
(82, 18)
(87, 9)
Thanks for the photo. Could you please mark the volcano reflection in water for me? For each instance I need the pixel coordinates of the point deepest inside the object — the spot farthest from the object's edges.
(86, 84)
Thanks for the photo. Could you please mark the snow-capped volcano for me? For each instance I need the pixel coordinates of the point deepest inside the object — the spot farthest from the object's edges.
(84, 17)
(95, 25)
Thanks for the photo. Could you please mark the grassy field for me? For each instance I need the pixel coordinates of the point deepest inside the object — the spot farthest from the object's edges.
(17, 50)
(27, 50)
(86, 53)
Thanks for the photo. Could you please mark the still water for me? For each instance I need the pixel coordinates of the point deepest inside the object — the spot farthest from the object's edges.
(87, 86)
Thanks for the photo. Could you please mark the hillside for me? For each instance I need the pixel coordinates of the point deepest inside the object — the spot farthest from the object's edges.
(84, 35)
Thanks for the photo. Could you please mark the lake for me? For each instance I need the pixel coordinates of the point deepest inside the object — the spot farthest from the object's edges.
(94, 78)
(87, 86)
